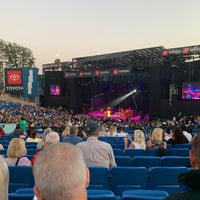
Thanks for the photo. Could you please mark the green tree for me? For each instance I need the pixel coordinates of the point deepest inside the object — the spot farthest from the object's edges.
(57, 61)
(18, 56)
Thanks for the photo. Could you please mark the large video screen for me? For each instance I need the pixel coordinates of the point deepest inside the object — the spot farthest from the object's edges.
(191, 90)
(55, 90)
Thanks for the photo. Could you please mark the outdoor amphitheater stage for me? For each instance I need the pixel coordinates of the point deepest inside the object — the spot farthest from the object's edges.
(119, 116)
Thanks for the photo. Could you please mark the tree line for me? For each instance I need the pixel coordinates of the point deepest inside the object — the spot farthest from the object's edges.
(17, 55)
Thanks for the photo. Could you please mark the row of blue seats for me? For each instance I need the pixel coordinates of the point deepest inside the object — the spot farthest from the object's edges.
(117, 180)
(152, 161)
(151, 152)
(29, 151)
(27, 194)
(129, 152)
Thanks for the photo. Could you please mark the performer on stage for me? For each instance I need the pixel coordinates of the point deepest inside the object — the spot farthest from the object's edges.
(108, 112)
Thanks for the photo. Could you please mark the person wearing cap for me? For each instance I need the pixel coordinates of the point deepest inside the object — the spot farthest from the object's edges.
(96, 152)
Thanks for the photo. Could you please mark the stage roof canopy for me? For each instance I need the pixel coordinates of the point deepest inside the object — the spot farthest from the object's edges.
(140, 57)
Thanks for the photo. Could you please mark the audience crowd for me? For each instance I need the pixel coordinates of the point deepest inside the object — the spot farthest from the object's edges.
(83, 131)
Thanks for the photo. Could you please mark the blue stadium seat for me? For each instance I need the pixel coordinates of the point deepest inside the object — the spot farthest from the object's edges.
(99, 178)
(15, 196)
(101, 195)
(169, 146)
(170, 161)
(31, 151)
(187, 146)
(24, 191)
(144, 195)
(123, 161)
(179, 152)
(151, 152)
(127, 178)
(20, 177)
(165, 178)
(134, 152)
(3, 152)
(118, 152)
(145, 161)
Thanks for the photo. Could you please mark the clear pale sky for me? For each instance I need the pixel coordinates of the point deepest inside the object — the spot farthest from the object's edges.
(66, 29)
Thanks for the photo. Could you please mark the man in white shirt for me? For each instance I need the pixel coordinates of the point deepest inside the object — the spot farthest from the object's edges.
(96, 152)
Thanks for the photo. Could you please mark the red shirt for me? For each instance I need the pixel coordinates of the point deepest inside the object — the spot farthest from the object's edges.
(2, 132)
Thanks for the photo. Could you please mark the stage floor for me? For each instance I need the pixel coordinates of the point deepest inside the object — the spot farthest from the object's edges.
(116, 116)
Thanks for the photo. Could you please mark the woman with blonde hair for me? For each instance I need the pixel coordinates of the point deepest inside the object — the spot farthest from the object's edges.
(42, 143)
(66, 131)
(112, 131)
(137, 143)
(4, 179)
(102, 131)
(157, 139)
(16, 153)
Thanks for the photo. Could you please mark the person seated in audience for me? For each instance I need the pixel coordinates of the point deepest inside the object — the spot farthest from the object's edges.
(60, 173)
(122, 132)
(177, 137)
(16, 153)
(157, 142)
(50, 138)
(4, 180)
(34, 136)
(102, 131)
(42, 143)
(96, 152)
(167, 134)
(137, 143)
(112, 131)
(81, 133)
(73, 138)
(157, 139)
(191, 179)
(2, 132)
(66, 131)
(19, 132)
(187, 134)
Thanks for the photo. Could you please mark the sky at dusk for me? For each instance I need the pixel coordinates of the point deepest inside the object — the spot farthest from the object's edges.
(67, 29)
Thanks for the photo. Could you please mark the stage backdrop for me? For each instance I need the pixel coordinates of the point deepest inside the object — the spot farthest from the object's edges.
(22, 81)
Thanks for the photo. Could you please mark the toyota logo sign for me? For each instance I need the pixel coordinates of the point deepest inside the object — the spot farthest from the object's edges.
(14, 77)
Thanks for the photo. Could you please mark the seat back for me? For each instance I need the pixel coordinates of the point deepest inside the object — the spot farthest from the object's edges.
(151, 152)
(179, 152)
(145, 161)
(187, 146)
(144, 195)
(134, 152)
(175, 161)
(127, 178)
(118, 152)
(99, 178)
(100, 195)
(166, 178)
(20, 177)
(123, 161)
(24, 191)
(15, 196)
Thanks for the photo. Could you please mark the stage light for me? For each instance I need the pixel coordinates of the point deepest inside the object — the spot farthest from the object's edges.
(117, 101)
(134, 91)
